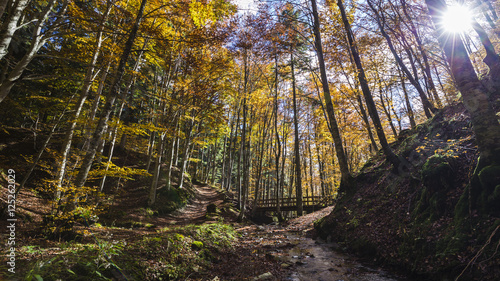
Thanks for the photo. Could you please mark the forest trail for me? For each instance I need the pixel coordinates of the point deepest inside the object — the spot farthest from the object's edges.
(196, 210)
(134, 221)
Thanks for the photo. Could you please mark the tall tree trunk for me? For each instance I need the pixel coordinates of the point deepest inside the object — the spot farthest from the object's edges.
(114, 131)
(40, 151)
(346, 177)
(95, 103)
(170, 154)
(423, 53)
(110, 100)
(298, 175)
(414, 82)
(387, 113)
(320, 167)
(10, 24)
(409, 109)
(277, 137)
(244, 151)
(223, 168)
(37, 41)
(364, 116)
(311, 183)
(261, 155)
(68, 138)
(474, 93)
(186, 152)
(156, 172)
(370, 103)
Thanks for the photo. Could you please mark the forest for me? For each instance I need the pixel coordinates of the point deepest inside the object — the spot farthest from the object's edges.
(166, 139)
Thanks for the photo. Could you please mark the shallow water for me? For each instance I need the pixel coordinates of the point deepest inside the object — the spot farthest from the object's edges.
(313, 260)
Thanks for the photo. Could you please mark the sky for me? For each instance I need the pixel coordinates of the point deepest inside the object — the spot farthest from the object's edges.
(245, 4)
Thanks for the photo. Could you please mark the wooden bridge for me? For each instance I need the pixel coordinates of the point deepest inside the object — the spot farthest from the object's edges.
(309, 204)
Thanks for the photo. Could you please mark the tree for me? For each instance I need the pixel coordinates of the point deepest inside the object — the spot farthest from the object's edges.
(474, 93)
(41, 32)
(339, 149)
(110, 100)
(380, 19)
(370, 104)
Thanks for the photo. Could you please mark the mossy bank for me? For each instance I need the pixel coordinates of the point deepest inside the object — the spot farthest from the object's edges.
(425, 217)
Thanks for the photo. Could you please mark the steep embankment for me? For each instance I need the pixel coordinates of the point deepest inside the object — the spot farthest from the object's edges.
(418, 217)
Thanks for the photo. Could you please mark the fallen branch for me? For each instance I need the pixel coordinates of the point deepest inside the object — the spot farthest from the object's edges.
(473, 260)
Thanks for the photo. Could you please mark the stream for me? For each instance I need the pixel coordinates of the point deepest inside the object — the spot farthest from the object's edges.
(323, 261)
(309, 259)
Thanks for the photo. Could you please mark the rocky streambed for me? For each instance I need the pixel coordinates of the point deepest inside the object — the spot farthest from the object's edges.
(309, 259)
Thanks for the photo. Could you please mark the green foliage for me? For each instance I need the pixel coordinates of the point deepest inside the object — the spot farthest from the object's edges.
(197, 245)
(59, 225)
(31, 249)
(176, 252)
(40, 268)
(169, 200)
(109, 169)
(78, 262)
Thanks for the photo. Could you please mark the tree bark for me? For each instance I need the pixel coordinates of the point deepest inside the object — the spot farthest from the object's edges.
(370, 103)
(156, 172)
(37, 41)
(409, 109)
(298, 175)
(110, 100)
(68, 138)
(346, 177)
(423, 53)
(10, 25)
(400, 62)
(474, 93)
(277, 137)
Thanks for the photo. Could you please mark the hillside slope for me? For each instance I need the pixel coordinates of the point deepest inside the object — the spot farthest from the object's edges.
(418, 217)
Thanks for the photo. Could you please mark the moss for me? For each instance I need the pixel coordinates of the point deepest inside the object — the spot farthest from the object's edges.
(489, 179)
(197, 245)
(462, 206)
(170, 200)
(437, 172)
(489, 176)
(178, 237)
(408, 145)
(421, 205)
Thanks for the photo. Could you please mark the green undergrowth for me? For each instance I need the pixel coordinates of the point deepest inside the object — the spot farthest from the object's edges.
(169, 200)
(170, 254)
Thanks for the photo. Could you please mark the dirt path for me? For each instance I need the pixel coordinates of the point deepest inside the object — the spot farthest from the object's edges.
(136, 221)
(195, 211)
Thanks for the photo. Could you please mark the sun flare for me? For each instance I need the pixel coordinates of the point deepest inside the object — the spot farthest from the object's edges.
(457, 19)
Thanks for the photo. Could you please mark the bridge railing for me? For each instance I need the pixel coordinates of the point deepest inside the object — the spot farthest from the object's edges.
(292, 201)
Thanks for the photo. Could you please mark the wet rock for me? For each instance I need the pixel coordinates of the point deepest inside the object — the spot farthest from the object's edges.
(333, 269)
(265, 276)
(285, 265)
